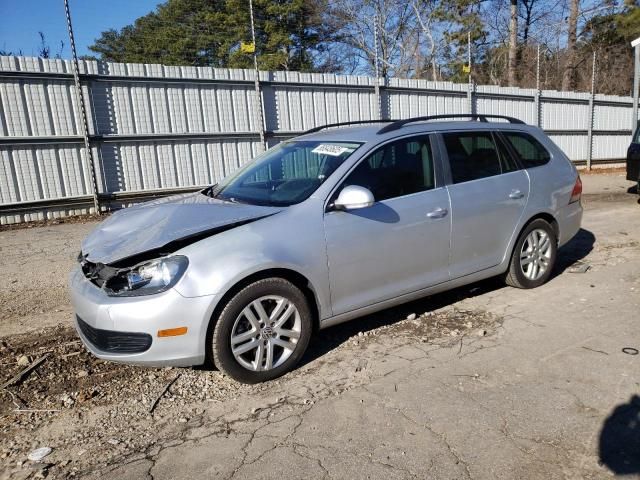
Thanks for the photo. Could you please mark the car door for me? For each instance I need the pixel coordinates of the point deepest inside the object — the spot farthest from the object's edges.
(488, 194)
(401, 243)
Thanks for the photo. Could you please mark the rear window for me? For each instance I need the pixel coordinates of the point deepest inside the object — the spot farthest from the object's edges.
(475, 155)
(530, 152)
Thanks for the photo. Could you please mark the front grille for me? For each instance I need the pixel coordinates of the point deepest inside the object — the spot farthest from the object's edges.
(115, 342)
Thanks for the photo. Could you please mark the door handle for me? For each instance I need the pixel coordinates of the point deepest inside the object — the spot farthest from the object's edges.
(437, 213)
(515, 194)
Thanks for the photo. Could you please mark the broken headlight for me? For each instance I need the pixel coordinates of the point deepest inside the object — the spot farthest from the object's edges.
(147, 278)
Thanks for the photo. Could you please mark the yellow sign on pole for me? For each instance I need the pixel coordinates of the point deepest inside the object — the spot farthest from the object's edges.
(247, 47)
(466, 69)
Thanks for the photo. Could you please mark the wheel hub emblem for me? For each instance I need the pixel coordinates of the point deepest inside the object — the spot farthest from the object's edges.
(266, 333)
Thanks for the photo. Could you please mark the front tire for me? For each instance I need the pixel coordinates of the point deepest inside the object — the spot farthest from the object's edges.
(534, 256)
(262, 332)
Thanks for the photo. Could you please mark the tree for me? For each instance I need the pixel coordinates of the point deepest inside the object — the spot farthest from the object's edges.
(609, 36)
(513, 44)
(44, 50)
(358, 22)
(415, 38)
(208, 33)
(461, 20)
(569, 76)
(427, 13)
(290, 34)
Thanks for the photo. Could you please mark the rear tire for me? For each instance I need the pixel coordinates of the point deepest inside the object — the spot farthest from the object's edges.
(534, 256)
(262, 332)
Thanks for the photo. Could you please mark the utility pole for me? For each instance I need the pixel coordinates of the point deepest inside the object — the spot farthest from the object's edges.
(260, 112)
(83, 110)
(377, 66)
(538, 69)
(469, 53)
(537, 97)
(470, 86)
(591, 114)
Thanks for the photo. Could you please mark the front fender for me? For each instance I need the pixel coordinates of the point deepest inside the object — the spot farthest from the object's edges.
(291, 240)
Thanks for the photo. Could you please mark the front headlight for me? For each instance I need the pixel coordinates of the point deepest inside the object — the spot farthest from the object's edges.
(148, 278)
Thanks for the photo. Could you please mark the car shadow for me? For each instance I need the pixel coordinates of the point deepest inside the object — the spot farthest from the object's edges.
(634, 190)
(574, 251)
(619, 445)
(329, 339)
(379, 212)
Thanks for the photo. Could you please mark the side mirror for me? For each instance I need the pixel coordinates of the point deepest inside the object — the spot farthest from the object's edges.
(353, 197)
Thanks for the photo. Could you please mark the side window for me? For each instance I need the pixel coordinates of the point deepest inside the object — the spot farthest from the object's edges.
(398, 168)
(530, 152)
(475, 155)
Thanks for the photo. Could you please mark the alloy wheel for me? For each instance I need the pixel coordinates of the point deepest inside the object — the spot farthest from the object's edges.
(265, 333)
(535, 256)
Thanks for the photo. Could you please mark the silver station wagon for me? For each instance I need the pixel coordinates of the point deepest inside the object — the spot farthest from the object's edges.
(334, 224)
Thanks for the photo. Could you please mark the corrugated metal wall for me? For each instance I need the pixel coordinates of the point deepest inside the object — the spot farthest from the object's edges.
(157, 127)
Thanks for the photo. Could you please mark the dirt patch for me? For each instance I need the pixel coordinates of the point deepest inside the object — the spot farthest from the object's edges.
(71, 377)
(432, 326)
(75, 219)
(35, 265)
(601, 170)
(94, 412)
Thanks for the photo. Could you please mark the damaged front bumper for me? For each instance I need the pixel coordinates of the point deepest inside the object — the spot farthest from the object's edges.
(125, 329)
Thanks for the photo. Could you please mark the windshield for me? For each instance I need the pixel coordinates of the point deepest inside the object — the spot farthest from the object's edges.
(284, 175)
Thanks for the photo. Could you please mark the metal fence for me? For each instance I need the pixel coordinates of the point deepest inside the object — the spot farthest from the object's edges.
(156, 129)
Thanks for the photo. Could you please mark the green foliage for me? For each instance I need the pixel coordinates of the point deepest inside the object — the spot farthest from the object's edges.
(209, 32)
(461, 21)
(620, 28)
(415, 38)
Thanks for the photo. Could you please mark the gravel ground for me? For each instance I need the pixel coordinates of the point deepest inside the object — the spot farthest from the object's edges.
(96, 412)
(97, 416)
(35, 263)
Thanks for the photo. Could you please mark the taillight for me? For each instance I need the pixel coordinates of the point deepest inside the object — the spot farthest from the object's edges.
(577, 191)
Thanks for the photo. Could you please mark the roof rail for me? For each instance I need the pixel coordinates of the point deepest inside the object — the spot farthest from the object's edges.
(341, 124)
(481, 117)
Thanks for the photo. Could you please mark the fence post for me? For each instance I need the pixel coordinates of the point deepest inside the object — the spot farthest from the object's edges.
(536, 98)
(591, 114)
(83, 110)
(471, 98)
(376, 69)
(376, 90)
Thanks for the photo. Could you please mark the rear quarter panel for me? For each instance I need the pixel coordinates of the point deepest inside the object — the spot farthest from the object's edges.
(551, 184)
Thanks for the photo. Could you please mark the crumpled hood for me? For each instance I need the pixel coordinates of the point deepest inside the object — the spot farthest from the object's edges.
(153, 225)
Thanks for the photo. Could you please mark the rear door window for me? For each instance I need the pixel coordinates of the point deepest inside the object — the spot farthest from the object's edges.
(475, 155)
(530, 151)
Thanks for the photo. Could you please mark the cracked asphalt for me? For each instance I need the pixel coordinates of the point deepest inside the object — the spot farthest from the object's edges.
(543, 384)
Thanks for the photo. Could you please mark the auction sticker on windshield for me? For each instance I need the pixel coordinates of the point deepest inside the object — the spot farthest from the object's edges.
(333, 150)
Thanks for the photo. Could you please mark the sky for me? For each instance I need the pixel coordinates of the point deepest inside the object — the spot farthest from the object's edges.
(21, 20)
